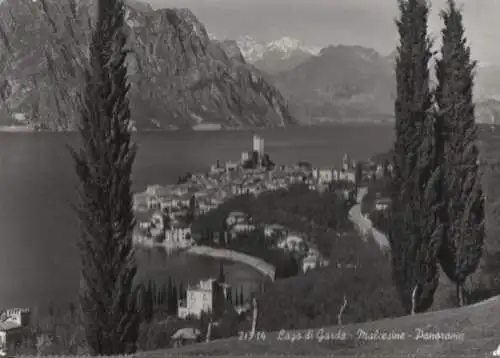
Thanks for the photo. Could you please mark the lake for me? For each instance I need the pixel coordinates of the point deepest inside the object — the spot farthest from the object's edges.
(39, 262)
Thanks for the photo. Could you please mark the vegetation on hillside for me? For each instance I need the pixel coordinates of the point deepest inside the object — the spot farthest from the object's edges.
(316, 215)
(359, 277)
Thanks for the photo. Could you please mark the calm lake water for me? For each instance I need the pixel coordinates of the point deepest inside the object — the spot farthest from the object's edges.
(39, 261)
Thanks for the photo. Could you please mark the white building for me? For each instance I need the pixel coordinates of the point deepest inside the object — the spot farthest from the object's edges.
(258, 145)
(309, 263)
(382, 203)
(157, 224)
(313, 260)
(178, 237)
(274, 229)
(13, 328)
(242, 228)
(342, 175)
(323, 176)
(292, 243)
(200, 298)
(244, 157)
(231, 166)
(236, 217)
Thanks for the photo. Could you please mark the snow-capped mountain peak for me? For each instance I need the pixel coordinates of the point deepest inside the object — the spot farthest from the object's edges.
(254, 51)
(288, 45)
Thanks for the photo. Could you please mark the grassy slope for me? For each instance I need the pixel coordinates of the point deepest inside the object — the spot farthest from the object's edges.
(479, 324)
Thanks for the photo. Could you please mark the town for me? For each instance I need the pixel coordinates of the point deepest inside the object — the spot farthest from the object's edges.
(165, 213)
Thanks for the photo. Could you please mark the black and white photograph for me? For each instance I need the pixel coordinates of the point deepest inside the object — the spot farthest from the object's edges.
(249, 178)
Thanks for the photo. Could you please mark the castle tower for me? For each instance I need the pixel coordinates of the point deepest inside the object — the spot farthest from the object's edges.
(256, 143)
(345, 162)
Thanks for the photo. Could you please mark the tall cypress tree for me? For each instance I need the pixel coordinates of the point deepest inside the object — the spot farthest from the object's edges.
(416, 229)
(170, 299)
(104, 163)
(222, 276)
(242, 297)
(230, 295)
(462, 246)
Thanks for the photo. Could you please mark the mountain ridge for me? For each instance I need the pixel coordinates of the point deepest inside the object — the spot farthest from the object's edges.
(179, 77)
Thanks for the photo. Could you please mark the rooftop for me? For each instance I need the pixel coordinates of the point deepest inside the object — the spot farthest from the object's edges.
(8, 325)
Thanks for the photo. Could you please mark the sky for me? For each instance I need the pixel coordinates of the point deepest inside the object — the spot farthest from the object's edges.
(367, 23)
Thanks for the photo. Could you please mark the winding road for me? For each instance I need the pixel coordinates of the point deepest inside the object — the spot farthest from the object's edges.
(363, 223)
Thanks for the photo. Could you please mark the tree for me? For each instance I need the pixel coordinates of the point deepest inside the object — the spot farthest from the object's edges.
(358, 174)
(167, 220)
(104, 163)
(191, 212)
(462, 246)
(173, 298)
(230, 296)
(242, 297)
(219, 300)
(236, 297)
(147, 301)
(416, 231)
(170, 299)
(385, 166)
(222, 276)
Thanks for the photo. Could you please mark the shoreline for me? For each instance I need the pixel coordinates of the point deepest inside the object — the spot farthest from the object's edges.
(257, 264)
(260, 265)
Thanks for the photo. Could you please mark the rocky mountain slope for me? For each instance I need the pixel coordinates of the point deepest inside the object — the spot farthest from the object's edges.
(275, 56)
(353, 83)
(342, 83)
(179, 77)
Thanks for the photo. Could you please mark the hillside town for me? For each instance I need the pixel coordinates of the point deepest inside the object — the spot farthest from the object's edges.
(163, 212)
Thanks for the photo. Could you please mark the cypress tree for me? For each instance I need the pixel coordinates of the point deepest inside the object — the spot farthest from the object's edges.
(416, 229)
(104, 163)
(164, 297)
(170, 299)
(174, 299)
(462, 246)
(236, 297)
(222, 277)
(230, 296)
(242, 297)
(180, 294)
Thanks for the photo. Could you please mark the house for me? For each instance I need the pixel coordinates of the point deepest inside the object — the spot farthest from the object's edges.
(178, 237)
(309, 263)
(236, 217)
(200, 298)
(346, 175)
(185, 336)
(242, 227)
(323, 176)
(157, 224)
(274, 230)
(293, 243)
(313, 260)
(382, 203)
(13, 328)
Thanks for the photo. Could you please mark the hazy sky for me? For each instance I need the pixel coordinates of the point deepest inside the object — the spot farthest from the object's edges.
(324, 22)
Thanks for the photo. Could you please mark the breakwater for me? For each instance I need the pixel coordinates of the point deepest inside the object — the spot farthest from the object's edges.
(258, 264)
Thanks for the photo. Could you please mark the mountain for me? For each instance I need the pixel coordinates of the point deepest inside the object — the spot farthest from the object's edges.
(179, 76)
(488, 111)
(275, 56)
(487, 82)
(342, 83)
